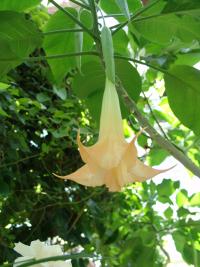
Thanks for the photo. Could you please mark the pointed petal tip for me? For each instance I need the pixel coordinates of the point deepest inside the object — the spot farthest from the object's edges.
(59, 176)
(138, 134)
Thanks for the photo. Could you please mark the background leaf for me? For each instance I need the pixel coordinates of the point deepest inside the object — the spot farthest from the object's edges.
(19, 37)
(183, 90)
(15, 5)
(164, 28)
(63, 43)
(90, 85)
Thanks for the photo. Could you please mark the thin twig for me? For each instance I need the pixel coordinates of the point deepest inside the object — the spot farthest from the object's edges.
(20, 160)
(39, 58)
(143, 63)
(153, 115)
(165, 253)
(75, 221)
(63, 31)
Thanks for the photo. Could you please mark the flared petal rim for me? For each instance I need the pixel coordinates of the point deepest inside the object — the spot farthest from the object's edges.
(86, 176)
(106, 154)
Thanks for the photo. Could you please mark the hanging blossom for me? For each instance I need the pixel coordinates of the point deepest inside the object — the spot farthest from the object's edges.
(111, 161)
(38, 250)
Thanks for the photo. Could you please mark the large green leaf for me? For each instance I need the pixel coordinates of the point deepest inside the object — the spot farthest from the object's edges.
(16, 5)
(90, 84)
(189, 58)
(162, 29)
(120, 43)
(182, 5)
(19, 37)
(183, 90)
(63, 43)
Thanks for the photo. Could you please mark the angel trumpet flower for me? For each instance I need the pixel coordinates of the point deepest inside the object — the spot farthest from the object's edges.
(111, 161)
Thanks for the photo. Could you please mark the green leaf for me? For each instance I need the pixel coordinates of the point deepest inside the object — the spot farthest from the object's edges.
(90, 85)
(61, 43)
(19, 37)
(157, 156)
(120, 43)
(16, 5)
(189, 58)
(112, 237)
(168, 212)
(191, 255)
(3, 113)
(181, 5)
(183, 90)
(179, 240)
(60, 92)
(123, 5)
(4, 87)
(148, 237)
(164, 28)
(182, 198)
(64, 43)
(166, 188)
(111, 7)
(42, 97)
(195, 199)
(61, 132)
(4, 189)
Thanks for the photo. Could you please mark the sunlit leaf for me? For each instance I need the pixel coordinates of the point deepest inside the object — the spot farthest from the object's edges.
(183, 89)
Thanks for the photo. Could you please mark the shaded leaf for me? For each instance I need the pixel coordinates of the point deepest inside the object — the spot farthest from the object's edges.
(61, 43)
(64, 43)
(164, 28)
(90, 85)
(19, 37)
(15, 5)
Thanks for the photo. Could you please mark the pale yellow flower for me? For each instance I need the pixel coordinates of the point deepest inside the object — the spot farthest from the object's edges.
(111, 161)
(38, 250)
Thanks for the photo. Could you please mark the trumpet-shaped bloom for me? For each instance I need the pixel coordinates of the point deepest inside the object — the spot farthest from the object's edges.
(111, 161)
(38, 250)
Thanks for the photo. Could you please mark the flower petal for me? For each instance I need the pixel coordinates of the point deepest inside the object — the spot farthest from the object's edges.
(22, 249)
(106, 153)
(86, 176)
(141, 172)
(111, 118)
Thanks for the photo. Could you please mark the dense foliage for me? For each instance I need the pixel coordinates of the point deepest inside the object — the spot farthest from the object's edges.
(51, 84)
